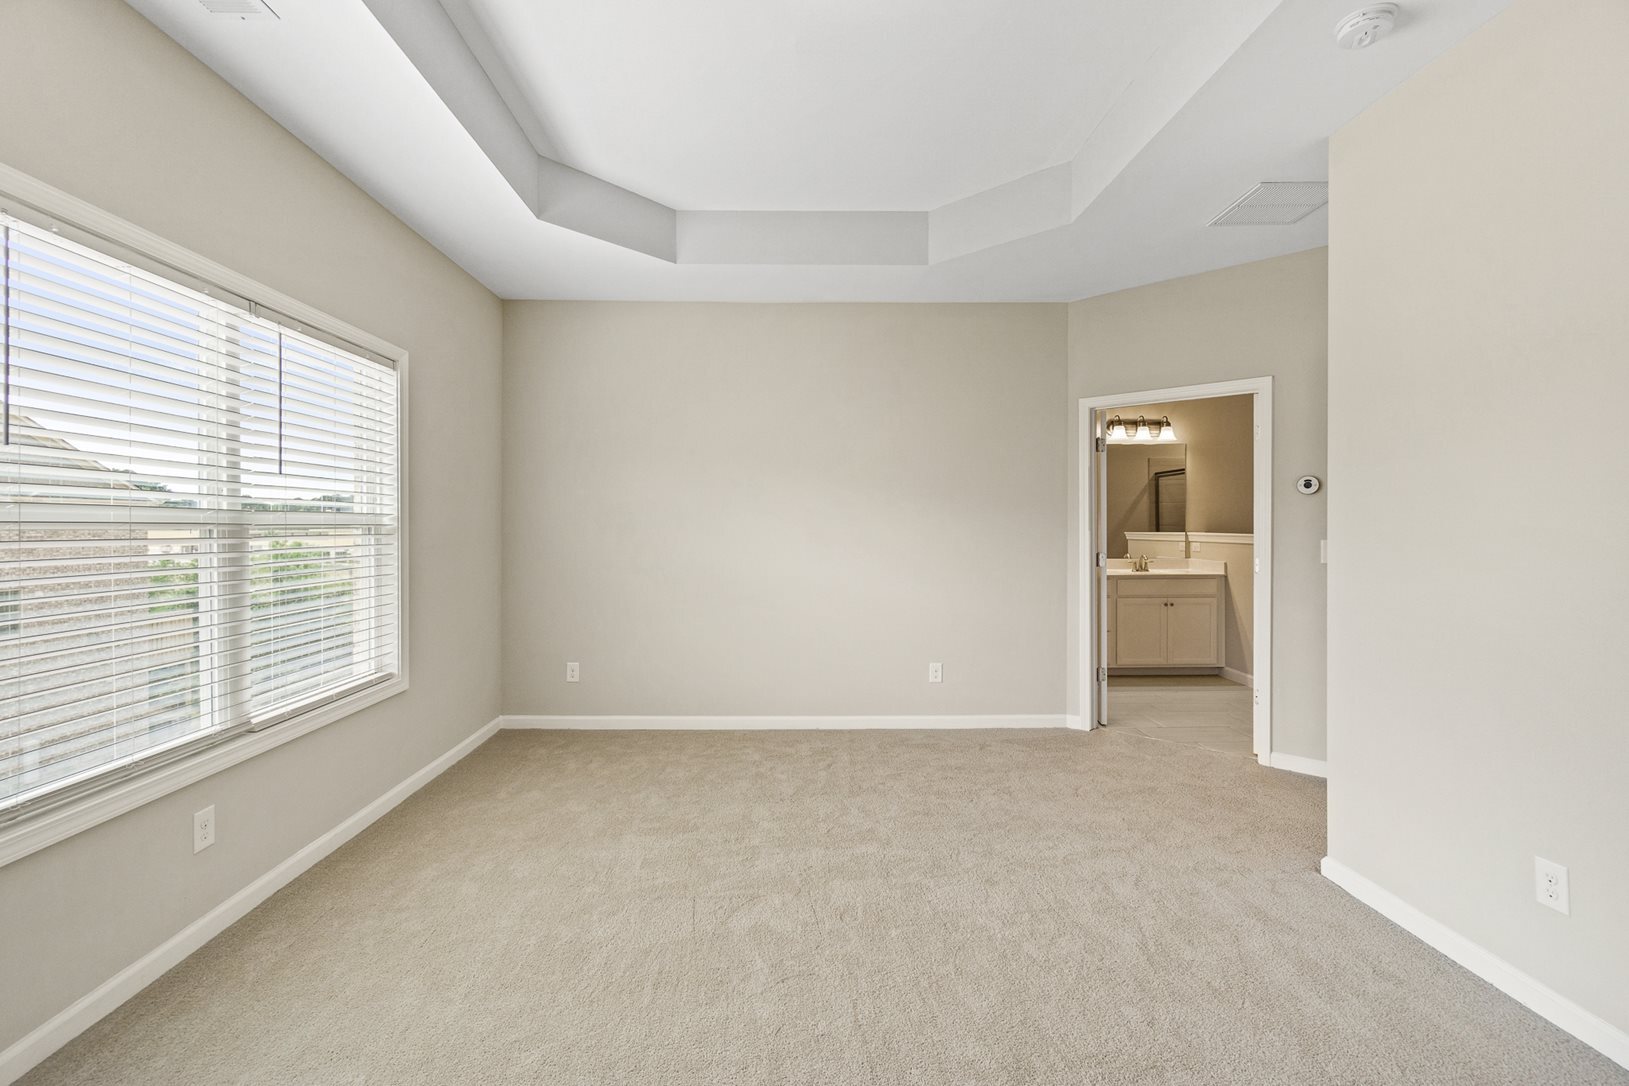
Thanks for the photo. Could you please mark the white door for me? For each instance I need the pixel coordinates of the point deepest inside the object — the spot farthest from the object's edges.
(1099, 515)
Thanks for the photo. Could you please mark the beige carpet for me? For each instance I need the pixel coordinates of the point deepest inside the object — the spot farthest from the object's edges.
(833, 908)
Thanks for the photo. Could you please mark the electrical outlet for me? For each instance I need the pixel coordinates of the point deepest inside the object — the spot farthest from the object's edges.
(1550, 884)
(936, 673)
(203, 829)
(571, 672)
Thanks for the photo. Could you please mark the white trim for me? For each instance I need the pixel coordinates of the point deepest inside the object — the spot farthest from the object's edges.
(782, 723)
(1244, 538)
(1546, 1002)
(1233, 674)
(1261, 538)
(32, 832)
(1073, 722)
(90, 1008)
(1295, 763)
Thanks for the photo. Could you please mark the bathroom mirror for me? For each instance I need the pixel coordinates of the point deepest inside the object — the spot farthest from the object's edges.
(1147, 491)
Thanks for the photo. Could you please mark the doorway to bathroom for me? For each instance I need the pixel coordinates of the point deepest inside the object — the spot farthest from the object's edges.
(1176, 516)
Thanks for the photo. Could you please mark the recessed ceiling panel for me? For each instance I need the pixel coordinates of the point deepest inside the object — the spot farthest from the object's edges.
(820, 104)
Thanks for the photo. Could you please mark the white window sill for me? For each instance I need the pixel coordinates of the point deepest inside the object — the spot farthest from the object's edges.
(34, 832)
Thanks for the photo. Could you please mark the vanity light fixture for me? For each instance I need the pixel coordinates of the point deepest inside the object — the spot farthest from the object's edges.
(1145, 433)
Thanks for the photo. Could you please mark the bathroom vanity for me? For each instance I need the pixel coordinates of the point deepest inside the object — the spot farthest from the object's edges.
(1171, 616)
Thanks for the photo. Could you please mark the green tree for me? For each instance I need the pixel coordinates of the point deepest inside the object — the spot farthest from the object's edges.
(293, 572)
(174, 592)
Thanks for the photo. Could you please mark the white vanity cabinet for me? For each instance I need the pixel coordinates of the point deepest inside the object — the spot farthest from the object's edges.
(1171, 620)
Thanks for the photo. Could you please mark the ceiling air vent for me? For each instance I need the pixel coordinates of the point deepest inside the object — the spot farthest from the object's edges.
(242, 9)
(1275, 203)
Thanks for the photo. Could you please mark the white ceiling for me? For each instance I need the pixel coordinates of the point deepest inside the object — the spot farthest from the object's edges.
(793, 105)
(900, 105)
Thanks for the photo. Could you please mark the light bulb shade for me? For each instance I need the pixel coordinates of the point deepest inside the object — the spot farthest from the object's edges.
(1117, 430)
(1143, 432)
(1167, 431)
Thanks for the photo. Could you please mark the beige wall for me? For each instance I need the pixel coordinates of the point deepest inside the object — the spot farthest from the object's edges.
(1221, 461)
(1479, 276)
(1239, 638)
(784, 509)
(1215, 436)
(1263, 319)
(97, 102)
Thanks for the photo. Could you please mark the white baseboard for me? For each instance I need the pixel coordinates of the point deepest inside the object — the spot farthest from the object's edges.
(1233, 674)
(1603, 1036)
(84, 1012)
(781, 723)
(1295, 763)
(1074, 722)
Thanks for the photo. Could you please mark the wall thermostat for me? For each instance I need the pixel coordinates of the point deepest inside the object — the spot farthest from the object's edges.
(1308, 484)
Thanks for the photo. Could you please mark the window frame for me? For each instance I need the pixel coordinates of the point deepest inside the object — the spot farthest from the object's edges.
(114, 792)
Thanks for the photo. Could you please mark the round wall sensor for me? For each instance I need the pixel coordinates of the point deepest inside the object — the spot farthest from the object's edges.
(1365, 26)
(1308, 484)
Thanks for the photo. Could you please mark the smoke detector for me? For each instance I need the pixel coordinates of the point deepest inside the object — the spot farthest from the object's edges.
(1365, 26)
(241, 9)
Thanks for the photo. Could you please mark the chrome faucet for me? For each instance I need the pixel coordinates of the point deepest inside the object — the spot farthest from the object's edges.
(1139, 564)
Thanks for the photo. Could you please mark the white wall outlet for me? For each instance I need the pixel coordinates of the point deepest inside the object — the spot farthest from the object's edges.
(571, 672)
(936, 673)
(203, 829)
(1550, 884)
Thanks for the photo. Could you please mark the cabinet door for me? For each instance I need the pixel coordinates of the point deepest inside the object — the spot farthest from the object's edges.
(1139, 631)
(1191, 632)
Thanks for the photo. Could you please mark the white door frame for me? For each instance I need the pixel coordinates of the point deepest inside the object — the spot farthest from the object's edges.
(1094, 512)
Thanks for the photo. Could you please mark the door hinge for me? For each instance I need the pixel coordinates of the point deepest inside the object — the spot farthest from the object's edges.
(1102, 446)
(1102, 559)
(1102, 674)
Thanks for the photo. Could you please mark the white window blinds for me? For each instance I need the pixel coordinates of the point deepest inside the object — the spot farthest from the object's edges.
(198, 517)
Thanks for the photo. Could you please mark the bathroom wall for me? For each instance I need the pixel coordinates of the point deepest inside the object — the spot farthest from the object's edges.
(1218, 447)
(1129, 472)
(1239, 553)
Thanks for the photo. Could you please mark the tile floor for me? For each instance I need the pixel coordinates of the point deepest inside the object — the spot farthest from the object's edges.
(1198, 710)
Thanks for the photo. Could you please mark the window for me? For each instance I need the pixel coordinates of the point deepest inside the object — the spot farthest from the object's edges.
(9, 610)
(199, 523)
